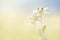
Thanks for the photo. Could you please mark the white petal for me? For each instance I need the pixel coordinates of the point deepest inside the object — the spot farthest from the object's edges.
(45, 8)
(34, 11)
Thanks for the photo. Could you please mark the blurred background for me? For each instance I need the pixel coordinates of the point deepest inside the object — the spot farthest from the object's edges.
(15, 25)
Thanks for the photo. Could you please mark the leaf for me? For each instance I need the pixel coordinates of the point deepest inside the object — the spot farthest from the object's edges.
(44, 27)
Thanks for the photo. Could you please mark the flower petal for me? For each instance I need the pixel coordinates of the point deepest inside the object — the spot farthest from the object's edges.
(45, 9)
(34, 11)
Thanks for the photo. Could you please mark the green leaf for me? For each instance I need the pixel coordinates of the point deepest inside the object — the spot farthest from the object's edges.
(44, 27)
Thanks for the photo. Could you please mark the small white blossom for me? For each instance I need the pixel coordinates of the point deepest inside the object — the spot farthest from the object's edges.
(37, 16)
(40, 10)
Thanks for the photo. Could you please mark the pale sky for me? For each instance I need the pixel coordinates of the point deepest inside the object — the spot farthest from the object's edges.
(25, 7)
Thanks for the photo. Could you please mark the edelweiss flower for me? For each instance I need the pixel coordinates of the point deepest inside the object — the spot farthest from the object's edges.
(37, 17)
(40, 10)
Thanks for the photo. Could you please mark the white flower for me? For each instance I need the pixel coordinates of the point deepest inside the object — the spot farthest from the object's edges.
(40, 11)
(37, 17)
